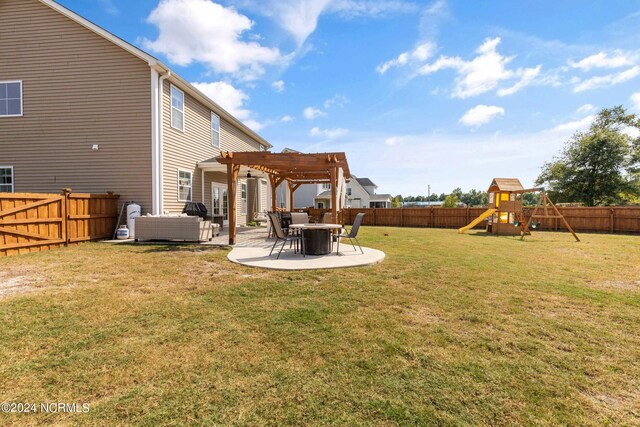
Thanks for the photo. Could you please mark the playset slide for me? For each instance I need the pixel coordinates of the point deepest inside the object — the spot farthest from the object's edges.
(477, 221)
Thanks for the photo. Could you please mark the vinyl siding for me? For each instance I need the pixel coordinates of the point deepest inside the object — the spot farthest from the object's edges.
(183, 150)
(79, 89)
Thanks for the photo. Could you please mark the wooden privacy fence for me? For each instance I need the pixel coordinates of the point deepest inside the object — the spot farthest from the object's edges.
(616, 219)
(32, 222)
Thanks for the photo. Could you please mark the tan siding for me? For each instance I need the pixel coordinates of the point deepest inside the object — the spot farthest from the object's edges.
(79, 89)
(183, 150)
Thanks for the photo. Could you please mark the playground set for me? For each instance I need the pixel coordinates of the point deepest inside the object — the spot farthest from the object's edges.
(505, 215)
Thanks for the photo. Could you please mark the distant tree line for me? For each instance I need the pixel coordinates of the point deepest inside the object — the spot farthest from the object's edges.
(600, 166)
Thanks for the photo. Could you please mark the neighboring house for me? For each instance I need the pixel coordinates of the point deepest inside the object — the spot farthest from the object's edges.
(360, 194)
(81, 108)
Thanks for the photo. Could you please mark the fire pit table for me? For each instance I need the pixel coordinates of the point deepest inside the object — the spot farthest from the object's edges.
(316, 237)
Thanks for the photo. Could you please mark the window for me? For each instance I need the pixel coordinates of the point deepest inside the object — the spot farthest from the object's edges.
(262, 148)
(184, 185)
(177, 108)
(6, 179)
(243, 196)
(326, 186)
(11, 99)
(215, 130)
(348, 191)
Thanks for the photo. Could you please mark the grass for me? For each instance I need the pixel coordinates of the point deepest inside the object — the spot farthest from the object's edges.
(449, 330)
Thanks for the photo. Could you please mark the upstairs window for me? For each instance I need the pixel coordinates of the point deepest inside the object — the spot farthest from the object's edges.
(6, 179)
(184, 185)
(177, 108)
(10, 98)
(215, 130)
(348, 191)
(326, 186)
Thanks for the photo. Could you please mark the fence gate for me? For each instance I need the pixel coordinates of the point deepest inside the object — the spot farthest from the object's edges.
(31, 222)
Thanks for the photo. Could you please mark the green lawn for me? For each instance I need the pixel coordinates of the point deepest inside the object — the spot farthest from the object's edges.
(449, 330)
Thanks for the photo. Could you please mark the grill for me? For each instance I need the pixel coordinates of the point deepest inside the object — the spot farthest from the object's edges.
(195, 209)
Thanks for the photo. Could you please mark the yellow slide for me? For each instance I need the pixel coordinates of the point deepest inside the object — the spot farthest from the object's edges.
(477, 221)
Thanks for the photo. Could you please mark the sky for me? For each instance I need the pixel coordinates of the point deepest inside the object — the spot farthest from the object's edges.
(438, 93)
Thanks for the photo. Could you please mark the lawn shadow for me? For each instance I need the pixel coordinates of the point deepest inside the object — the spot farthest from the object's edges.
(161, 247)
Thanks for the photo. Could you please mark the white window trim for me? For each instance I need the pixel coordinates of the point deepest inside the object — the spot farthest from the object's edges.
(184, 102)
(191, 186)
(217, 131)
(21, 99)
(13, 178)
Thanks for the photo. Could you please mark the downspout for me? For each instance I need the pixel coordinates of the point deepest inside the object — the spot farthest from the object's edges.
(161, 80)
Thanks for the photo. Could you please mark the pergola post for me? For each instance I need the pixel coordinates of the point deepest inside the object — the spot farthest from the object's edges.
(334, 194)
(274, 187)
(290, 190)
(232, 185)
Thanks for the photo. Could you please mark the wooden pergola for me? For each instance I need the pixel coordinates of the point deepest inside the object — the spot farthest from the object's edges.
(294, 168)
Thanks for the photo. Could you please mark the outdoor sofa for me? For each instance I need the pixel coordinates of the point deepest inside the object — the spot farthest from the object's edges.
(183, 227)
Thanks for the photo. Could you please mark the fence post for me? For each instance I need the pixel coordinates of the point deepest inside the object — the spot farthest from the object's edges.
(431, 218)
(374, 216)
(65, 215)
(468, 217)
(401, 217)
(611, 220)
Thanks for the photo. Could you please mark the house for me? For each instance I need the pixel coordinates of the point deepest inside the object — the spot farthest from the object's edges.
(83, 109)
(360, 193)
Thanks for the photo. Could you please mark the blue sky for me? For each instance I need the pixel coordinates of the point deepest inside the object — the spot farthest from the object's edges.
(446, 93)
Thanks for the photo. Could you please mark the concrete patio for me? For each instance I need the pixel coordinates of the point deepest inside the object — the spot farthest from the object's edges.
(252, 249)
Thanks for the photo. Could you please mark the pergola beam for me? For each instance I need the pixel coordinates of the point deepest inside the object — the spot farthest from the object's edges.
(295, 168)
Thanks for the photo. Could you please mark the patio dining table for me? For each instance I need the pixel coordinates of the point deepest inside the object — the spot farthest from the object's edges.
(317, 237)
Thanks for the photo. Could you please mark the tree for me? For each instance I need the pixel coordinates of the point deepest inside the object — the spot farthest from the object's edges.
(599, 166)
(450, 201)
(475, 198)
(396, 202)
(530, 199)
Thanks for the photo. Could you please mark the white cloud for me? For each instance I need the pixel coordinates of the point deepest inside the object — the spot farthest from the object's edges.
(527, 75)
(482, 73)
(574, 126)
(300, 17)
(393, 140)
(607, 80)
(586, 108)
(311, 113)
(337, 100)
(370, 8)
(206, 32)
(616, 59)
(109, 7)
(421, 53)
(635, 99)
(480, 115)
(287, 118)
(231, 99)
(278, 85)
(328, 133)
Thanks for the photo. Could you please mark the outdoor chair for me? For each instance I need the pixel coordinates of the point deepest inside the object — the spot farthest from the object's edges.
(280, 235)
(353, 234)
(270, 232)
(299, 218)
(327, 218)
